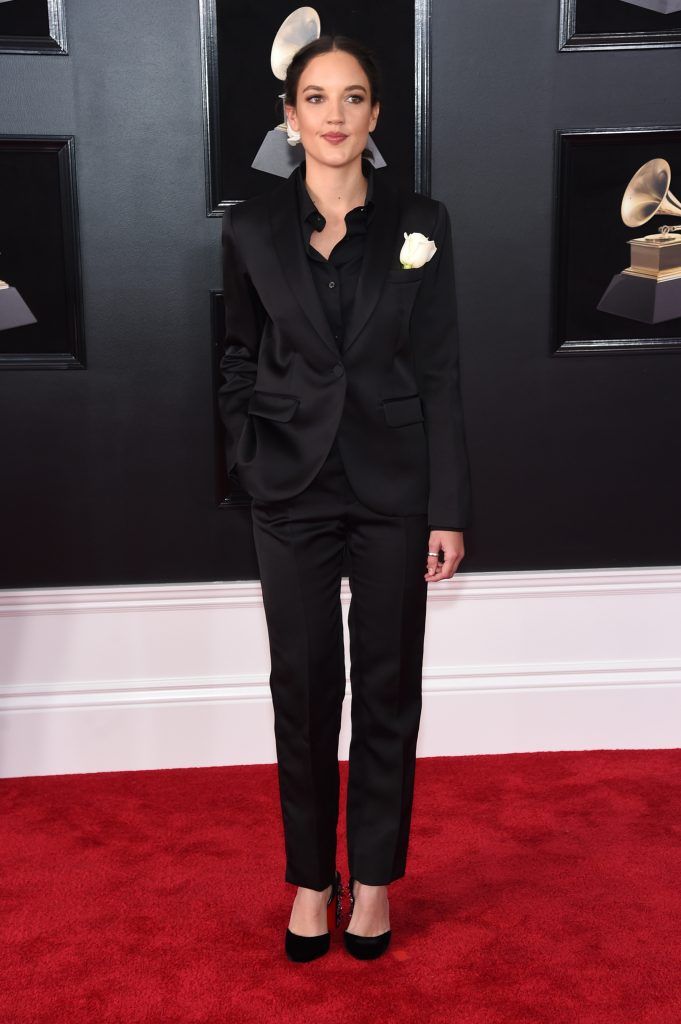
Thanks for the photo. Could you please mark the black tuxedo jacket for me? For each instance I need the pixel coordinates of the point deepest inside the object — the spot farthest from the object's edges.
(390, 392)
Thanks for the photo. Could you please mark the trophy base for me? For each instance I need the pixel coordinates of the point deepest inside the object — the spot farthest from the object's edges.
(661, 6)
(642, 298)
(13, 310)
(276, 156)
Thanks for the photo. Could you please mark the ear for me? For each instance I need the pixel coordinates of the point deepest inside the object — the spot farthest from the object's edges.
(291, 116)
(375, 110)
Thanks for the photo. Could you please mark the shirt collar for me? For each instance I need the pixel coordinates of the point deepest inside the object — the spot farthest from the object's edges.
(308, 210)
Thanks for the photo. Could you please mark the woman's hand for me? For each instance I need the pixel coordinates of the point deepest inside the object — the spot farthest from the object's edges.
(451, 543)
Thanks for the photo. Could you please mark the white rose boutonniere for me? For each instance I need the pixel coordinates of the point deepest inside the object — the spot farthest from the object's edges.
(416, 251)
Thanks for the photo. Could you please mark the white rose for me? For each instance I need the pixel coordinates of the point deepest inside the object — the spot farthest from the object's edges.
(416, 251)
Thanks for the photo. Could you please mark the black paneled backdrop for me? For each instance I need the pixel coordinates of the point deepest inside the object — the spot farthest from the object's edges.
(108, 473)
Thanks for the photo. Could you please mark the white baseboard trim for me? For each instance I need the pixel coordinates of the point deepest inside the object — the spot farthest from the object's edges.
(146, 677)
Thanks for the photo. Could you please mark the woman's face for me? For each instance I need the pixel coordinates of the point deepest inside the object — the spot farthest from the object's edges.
(333, 98)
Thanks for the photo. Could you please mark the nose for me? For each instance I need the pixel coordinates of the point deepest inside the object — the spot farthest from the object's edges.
(335, 112)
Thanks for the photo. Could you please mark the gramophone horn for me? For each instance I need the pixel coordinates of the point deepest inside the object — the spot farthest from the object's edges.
(301, 27)
(648, 193)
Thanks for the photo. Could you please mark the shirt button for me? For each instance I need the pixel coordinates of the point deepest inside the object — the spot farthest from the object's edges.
(338, 370)
(332, 284)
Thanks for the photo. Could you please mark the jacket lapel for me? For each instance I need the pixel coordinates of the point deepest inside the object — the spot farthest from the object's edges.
(379, 252)
(380, 242)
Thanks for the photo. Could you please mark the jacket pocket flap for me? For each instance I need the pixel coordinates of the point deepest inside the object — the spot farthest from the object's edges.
(272, 405)
(403, 276)
(401, 411)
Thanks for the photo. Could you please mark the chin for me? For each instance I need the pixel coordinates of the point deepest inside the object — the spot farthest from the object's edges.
(335, 155)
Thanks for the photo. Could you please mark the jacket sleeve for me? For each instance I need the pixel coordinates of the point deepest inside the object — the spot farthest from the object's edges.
(244, 317)
(435, 338)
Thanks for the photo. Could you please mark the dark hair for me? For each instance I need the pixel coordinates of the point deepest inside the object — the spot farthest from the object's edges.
(325, 44)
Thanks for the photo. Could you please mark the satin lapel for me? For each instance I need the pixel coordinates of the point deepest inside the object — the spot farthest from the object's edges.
(288, 242)
(381, 251)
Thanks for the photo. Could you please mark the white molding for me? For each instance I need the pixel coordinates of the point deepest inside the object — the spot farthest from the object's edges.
(128, 693)
(175, 675)
(123, 598)
(242, 593)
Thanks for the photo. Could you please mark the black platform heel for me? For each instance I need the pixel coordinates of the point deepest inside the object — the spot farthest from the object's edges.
(302, 948)
(364, 947)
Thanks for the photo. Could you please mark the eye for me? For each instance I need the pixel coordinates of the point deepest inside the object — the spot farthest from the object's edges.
(317, 96)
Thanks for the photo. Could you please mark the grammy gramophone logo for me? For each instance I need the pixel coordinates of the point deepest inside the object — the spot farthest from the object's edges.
(649, 289)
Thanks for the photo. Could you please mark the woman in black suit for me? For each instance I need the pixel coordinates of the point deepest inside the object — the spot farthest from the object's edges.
(343, 417)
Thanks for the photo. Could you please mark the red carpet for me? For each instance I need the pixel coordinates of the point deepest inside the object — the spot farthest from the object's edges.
(539, 888)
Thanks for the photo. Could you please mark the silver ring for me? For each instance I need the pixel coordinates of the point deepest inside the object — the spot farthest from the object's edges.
(433, 552)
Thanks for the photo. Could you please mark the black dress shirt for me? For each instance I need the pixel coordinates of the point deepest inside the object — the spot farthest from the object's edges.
(336, 278)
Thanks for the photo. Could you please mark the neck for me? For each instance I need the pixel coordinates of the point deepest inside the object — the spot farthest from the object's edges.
(335, 190)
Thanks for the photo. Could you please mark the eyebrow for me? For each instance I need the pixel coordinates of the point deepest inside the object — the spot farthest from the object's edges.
(321, 87)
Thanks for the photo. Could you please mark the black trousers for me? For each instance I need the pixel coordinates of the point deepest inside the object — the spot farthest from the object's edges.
(301, 546)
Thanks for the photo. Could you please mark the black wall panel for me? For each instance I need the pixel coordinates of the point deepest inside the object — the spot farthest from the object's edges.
(108, 473)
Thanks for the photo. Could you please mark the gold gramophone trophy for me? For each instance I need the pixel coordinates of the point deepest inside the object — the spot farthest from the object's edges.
(649, 290)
